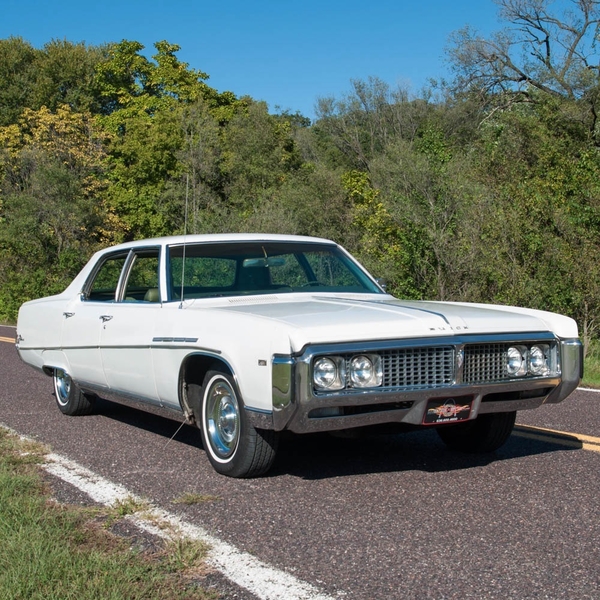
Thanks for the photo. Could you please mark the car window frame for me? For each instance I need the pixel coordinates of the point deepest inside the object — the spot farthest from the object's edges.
(129, 254)
(127, 269)
(353, 265)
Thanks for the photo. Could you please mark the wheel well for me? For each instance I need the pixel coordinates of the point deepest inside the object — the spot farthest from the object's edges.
(193, 370)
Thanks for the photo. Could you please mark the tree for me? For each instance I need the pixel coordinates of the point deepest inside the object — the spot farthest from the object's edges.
(372, 116)
(53, 215)
(542, 236)
(199, 189)
(540, 50)
(17, 78)
(427, 189)
(130, 84)
(60, 73)
(66, 74)
(259, 153)
(144, 104)
(388, 244)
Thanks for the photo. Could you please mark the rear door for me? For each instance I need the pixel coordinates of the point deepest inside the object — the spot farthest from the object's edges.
(85, 317)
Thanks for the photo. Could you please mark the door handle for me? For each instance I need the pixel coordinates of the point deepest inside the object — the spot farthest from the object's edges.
(67, 315)
(105, 318)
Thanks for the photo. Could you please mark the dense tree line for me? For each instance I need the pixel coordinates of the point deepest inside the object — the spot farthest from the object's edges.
(484, 188)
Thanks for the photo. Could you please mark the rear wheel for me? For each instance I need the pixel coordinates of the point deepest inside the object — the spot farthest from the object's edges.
(233, 445)
(69, 397)
(484, 434)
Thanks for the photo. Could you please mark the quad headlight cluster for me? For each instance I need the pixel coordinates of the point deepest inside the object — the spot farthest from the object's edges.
(331, 373)
(534, 361)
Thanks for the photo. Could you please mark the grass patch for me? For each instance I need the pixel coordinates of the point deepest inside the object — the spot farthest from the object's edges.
(129, 506)
(52, 552)
(591, 371)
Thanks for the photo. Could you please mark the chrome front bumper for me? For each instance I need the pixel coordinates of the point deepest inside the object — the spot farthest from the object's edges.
(296, 407)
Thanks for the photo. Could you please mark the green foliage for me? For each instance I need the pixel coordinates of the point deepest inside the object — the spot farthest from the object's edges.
(149, 109)
(385, 244)
(52, 214)
(17, 78)
(491, 196)
(547, 211)
(65, 74)
(591, 374)
(60, 73)
(259, 154)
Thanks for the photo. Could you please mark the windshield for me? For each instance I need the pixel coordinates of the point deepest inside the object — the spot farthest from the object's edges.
(231, 269)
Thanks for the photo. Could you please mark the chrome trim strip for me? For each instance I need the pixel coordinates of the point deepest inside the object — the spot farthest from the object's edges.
(309, 351)
(175, 339)
(282, 379)
(261, 419)
(176, 345)
(571, 365)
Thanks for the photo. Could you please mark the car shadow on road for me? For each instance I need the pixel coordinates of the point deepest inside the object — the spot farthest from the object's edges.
(323, 456)
(156, 420)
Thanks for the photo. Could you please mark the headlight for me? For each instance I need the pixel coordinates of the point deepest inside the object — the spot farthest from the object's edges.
(534, 361)
(329, 373)
(365, 371)
(538, 361)
(516, 365)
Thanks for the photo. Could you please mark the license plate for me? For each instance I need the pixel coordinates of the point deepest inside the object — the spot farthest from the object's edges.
(448, 410)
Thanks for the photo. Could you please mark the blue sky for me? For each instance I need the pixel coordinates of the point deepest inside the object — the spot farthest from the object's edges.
(285, 53)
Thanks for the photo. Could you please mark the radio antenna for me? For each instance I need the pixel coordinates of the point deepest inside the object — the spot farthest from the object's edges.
(185, 220)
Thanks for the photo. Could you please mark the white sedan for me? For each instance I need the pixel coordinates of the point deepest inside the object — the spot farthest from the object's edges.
(250, 335)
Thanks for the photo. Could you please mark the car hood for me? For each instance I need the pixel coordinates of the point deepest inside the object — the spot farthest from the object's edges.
(331, 319)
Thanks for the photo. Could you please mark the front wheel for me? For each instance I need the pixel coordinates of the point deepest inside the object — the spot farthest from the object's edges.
(484, 434)
(69, 397)
(233, 445)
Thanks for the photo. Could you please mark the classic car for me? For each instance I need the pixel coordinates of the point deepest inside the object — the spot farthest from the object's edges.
(249, 335)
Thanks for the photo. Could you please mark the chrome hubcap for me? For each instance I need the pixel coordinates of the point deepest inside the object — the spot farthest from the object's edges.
(222, 418)
(62, 386)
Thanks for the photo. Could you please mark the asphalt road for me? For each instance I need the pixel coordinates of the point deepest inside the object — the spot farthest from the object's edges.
(386, 517)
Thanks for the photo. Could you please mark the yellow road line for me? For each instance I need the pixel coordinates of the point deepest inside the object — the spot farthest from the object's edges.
(7, 339)
(565, 438)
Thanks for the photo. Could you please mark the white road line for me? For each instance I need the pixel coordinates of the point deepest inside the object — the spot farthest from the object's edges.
(262, 580)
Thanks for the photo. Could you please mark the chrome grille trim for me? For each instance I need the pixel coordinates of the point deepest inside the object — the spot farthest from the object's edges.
(485, 363)
(418, 368)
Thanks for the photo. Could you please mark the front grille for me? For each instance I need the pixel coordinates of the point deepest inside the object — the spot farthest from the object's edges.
(418, 367)
(430, 367)
(485, 363)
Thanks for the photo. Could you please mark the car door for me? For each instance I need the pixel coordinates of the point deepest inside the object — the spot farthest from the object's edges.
(84, 318)
(127, 331)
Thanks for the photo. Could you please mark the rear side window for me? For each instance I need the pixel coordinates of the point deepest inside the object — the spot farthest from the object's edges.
(126, 277)
(104, 285)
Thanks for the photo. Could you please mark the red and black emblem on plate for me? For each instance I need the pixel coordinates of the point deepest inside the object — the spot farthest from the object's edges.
(448, 410)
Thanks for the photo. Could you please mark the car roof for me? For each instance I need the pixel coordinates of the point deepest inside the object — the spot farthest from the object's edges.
(218, 237)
